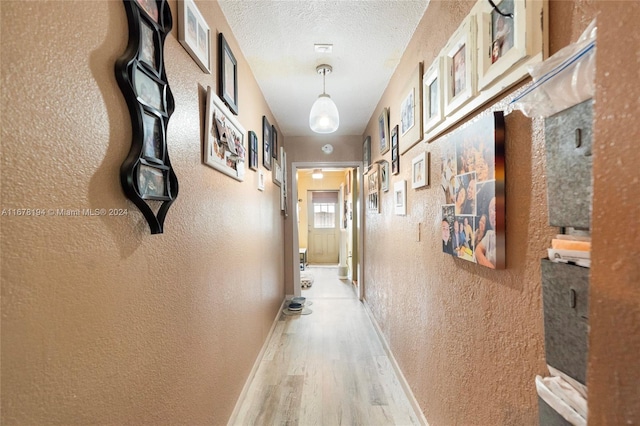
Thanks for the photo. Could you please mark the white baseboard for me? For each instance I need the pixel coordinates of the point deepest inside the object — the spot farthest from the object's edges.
(396, 367)
(256, 365)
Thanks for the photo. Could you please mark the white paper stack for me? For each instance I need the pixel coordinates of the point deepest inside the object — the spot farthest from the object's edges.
(565, 395)
(571, 248)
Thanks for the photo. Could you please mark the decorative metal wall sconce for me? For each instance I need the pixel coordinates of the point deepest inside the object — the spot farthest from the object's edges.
(146, 175)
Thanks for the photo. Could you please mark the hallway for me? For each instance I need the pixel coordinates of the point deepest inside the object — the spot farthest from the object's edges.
(326, 368)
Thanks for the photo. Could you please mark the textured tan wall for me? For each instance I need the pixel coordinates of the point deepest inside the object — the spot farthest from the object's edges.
(103, 323)
(614, 365)
(470, 340)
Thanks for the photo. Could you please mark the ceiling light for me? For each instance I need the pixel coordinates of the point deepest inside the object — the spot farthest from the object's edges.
(324, 117)
(317, 174)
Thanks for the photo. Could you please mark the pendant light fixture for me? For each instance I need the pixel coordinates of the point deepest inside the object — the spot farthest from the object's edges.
(324, 117)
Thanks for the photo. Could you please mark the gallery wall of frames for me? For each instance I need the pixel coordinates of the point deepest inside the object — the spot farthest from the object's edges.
(486, 55)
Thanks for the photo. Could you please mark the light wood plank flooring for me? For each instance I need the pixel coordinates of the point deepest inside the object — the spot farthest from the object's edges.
(327, 368)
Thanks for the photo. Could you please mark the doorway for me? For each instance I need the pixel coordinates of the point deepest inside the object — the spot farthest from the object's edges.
(325, 213)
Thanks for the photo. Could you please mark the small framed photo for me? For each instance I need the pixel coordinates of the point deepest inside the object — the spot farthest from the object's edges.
(224, 139)
(502, 40)
(150, 7)
(152, 146)
(459, 57)
(400, 197)
(260, 180)
(253, 150)
(373, 189)
(433, 105)
(383, 130)
(366, 153)
(274, 143)
(395, 151)
(194, 33)
(384, 175)
(148, 51)
(151, 183)
(149, 90)
(420, 170)
(266, 143)
(411, 111)
(276, 175)
(228, 75)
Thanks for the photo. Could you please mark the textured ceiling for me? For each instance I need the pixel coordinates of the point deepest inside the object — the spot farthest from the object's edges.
(277, 38)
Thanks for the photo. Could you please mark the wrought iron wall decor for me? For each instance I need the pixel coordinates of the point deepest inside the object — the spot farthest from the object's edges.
(146, 174)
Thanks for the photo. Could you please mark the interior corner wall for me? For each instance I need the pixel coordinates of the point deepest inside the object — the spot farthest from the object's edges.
(303, 149)
(470, 340)
(103, 323)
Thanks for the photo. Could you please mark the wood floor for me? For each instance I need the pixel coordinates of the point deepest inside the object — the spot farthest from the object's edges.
(327, 368)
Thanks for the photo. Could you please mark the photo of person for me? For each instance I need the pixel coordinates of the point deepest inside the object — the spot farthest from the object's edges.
(502, 30)
(465, 203)
(406, 113)
(147, 49)
(446, 229)
(151, 144)
(459, 71)
(434, 104)
(486, 249)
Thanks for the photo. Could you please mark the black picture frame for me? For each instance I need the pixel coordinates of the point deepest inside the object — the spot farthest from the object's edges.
(253, 150)
(146, 175)
(228, 75)
(266, 143)
(366, 153)
(274, 143)
(395, 154)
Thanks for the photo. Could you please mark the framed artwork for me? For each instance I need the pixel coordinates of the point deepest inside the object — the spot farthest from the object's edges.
(502, 40)
(400, 198)
(366, 153)
(266, 143)
(194, 33)
(473, 182)
(384, 175)
(276, 175)
(283, 186)
(228, 75)
(253, 150)
(433, 105)
(420, 170)
(411, 111)
(146, 175)
(395, 151)
(260, 180)
(224, 139)
(459, 57)
(383, 130)
(373, 189)
(274, 143)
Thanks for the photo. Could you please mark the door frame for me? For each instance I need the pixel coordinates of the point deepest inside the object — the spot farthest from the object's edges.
(359, 213)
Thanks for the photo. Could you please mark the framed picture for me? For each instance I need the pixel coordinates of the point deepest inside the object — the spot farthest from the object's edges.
(383, 130)
(473, 183)
(274, 143)
(366, 153)
(411, 111)
(260, 180)
(266, 143)
(502, 40)
(433, 105)
(459, 57)
(420, 170)
(224, 140)
(400, 197)
(146, 174)
(194, 33)
(228, 75)
(384, 175)
(253, 150)
(373, 189)
(283, 186)
(395, 151)
(276, 175)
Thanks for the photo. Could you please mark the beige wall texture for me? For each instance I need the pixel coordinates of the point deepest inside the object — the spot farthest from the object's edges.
(470, 340)
(103, 323)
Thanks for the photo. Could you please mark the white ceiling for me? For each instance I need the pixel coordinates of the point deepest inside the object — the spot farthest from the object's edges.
(277, 38)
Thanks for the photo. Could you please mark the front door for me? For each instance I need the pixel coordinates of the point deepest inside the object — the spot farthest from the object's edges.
(324, 229)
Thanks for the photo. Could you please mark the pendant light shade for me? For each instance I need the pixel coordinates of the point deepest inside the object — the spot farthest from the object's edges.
(324, 117)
